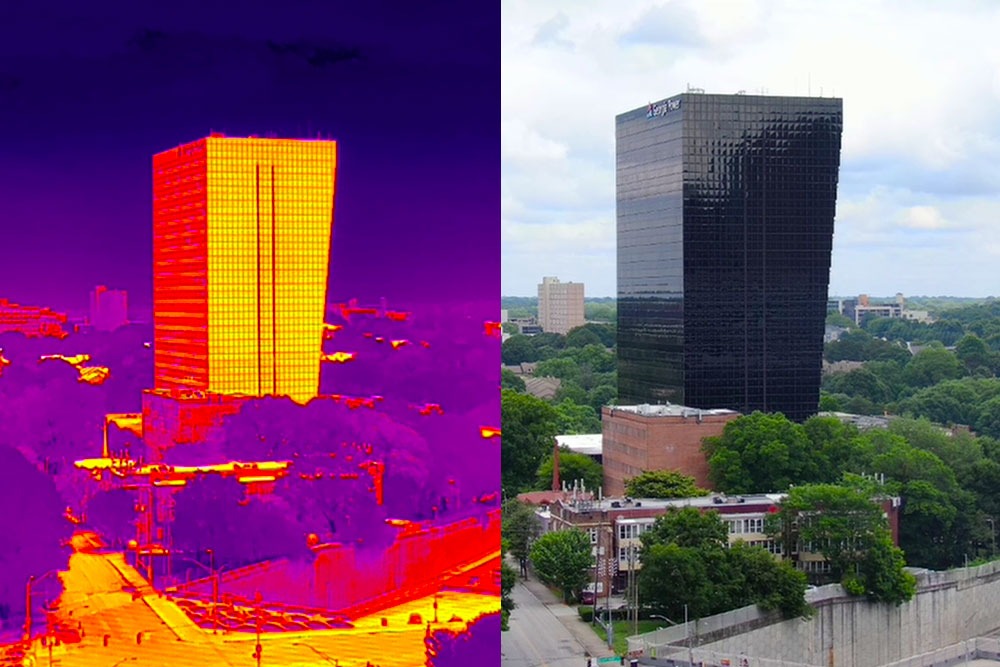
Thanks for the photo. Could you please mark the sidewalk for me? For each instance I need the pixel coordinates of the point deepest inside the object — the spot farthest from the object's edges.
(569, 617)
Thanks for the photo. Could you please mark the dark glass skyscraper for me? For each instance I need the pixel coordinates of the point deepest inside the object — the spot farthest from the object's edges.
(725, 227)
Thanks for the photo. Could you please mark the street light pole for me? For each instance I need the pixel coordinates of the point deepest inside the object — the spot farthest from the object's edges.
(215, 592)
(993, 534)
(27, 607)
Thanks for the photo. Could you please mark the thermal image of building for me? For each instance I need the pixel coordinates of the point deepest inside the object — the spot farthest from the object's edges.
(108, 308)
(32, 321)
(241, 245)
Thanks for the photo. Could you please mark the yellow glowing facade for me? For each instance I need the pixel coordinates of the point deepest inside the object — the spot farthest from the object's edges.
(241, 252)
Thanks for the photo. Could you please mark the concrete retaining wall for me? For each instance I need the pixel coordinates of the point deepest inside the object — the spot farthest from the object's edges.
(950, 607)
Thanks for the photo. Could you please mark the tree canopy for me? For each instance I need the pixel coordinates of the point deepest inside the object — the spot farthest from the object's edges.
(562, 559)
(845, 525)
(529, 429)
(686, 562)
(573, 467)
(663, 484)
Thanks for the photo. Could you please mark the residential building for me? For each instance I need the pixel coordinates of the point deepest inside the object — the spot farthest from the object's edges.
(31, 321)
(725, 209)
(241, 247)
(637, 438)
(560, 306)
(108, 308)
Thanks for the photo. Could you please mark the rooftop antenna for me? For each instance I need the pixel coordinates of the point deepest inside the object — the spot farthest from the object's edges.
(810, 84)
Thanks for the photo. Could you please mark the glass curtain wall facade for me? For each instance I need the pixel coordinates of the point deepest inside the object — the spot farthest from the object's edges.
(241, 248)
(725, 227)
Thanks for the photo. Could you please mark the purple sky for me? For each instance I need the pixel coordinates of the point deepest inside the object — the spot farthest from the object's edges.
(89, 91)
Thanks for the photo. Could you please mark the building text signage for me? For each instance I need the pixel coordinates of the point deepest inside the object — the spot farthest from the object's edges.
(663, 108)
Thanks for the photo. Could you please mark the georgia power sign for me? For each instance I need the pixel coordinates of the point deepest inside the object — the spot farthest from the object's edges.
(663, 108)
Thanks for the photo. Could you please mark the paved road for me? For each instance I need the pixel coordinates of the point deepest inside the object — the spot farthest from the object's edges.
(537, 638)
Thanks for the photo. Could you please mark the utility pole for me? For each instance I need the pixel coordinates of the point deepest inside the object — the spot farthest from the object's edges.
(27, 608)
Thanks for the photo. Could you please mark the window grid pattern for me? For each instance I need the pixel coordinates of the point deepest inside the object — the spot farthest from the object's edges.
(725, 227)
(180, 278)
(270, 213)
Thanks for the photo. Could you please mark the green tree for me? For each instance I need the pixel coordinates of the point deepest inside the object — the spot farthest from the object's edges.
(848, 528)
(582, 336)
(688, 527)
(562, 559)
(519, 529)
(509, 380)
(884, 575)
(606, 394)
(604, 312)
(673, 576)
(529, 428)
(663, 484)
(577, 419)
(572, 467)
(761, 453)
(563, 368)
(931, 366)
(859, 382)
(685, 561)
(508, 579)
(988, 421)
(972, 351)
(517, 350)
(850, 347)
(769, 583)
(838, 521)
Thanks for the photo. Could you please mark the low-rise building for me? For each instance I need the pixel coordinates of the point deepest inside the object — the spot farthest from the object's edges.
(32, 321)
(616, 526)
(637, 438)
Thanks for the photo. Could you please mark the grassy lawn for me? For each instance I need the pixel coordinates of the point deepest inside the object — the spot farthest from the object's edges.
(625, 629)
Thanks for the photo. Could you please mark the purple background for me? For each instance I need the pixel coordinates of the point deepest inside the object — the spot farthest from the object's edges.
(90, 91)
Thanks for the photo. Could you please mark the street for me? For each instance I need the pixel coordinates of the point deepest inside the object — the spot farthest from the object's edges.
(537, 638)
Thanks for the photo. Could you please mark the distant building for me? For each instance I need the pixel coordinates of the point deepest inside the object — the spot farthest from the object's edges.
(638, 438)
(503, 316)
(560, 306)
(862, 309)
(108, 308)
(32, 321)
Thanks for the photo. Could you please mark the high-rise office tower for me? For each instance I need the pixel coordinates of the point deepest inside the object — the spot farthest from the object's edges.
(560, 306)
(725, 226)
(241, 247)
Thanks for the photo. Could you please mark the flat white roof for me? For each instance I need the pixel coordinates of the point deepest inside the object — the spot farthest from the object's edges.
(590, 444)
(670, 410)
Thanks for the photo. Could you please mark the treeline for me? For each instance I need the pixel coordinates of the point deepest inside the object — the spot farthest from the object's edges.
(947, 481)
(949, 386)
(584, 361)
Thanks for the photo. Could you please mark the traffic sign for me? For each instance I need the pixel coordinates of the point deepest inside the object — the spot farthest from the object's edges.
(615, 659)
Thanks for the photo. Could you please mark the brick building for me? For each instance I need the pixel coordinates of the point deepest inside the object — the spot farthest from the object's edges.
(638, 438)
(615, 526)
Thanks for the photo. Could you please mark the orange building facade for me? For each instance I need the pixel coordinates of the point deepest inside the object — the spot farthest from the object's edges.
(657, 437)
(32, 321)
(241, 246)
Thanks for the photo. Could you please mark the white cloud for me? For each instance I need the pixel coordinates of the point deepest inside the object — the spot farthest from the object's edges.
(921, 155)
(922, 217)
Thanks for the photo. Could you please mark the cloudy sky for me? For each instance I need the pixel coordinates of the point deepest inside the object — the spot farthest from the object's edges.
(918, 207)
